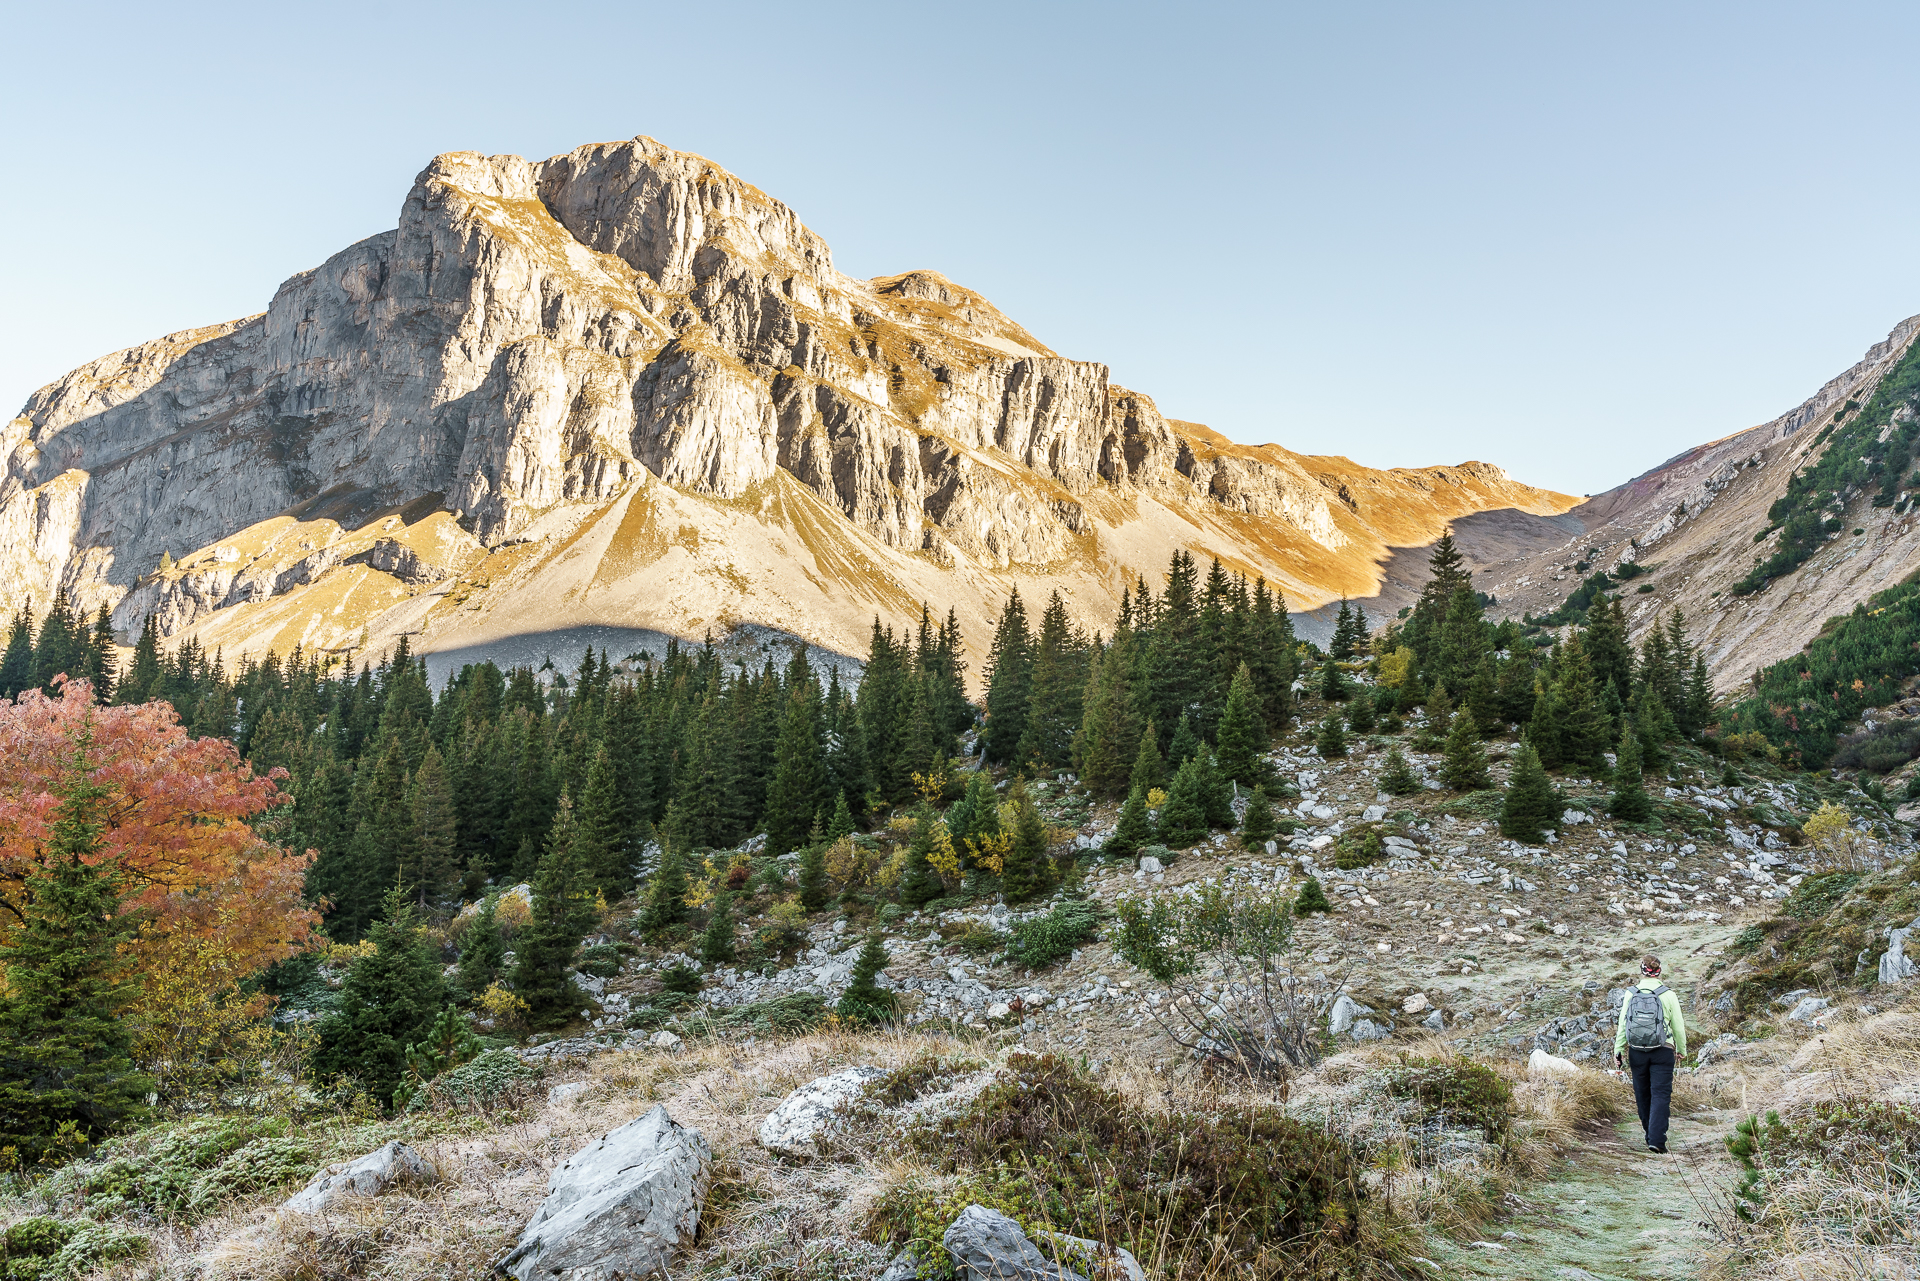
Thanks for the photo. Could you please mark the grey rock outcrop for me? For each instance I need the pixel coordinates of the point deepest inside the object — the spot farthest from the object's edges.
(810, 1112)
(989, 1246)
(1895, 965)
(379, 1171)
(622, 1206)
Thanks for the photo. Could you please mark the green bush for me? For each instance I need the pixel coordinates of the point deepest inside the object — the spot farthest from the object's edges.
(1815, 896)
(1047, 1146)
(155, 1171)
(498, 1078)
(1457, 1090)
(603, 960)
(790, 1014)
(46, 1249)
(1041, 940)
(261, 1166)
(1361, 847)
(1840, 1135)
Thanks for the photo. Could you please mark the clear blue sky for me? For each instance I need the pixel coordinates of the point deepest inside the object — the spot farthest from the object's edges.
(1572, 240)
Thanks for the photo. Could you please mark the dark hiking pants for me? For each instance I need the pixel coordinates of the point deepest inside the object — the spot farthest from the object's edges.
(1652, 1090)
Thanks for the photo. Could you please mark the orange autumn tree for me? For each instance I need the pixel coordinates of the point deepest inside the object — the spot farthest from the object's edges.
(218, 903)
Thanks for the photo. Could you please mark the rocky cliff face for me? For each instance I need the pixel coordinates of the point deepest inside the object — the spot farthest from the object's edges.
(1692, 522)
(622, 386)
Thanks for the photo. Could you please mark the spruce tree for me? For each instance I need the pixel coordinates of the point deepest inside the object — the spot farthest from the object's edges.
(1216, 791)
(388, 1000)
(1331, 741)
(1183, 816)
(976, 813)
(483, 951)
(1543, 728)
(666, 894)
(799, 776)
(1185, 744)
(16, 666)
(1257, 825)
(1109, 738)
(1397, 779)
(814, 894)
(841, 824)
(1464, 767)
(865, 1001)
(716, 945)
(1528, 809)
(1058, 683)
(433, 872)
(561, 916)
(448, 1043)
(101, 668)
(1654, 726)
(1629, 802)
(919, 883)
(1439, 715)
(1025, 871)
(1513, 693)
(1333, 682)
(64, 1040)
(1009, 681)
(1582, 724)
(1360, 713)
(1133, 830)
(1313, 898)
(1344, 642)
(1242, 736)
(1149, 771)
(600, 836)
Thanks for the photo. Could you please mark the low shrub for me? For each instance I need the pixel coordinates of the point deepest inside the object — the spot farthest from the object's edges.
(1455, 1090)
(261, 1166)
(1843, 1136)
(1816, 896)
(1361, 847)
(1244, 1186)
(1041, 940)
(788, 1015)
(603, 960)
(497, 1079)
(156, 1171)
(48, 1249)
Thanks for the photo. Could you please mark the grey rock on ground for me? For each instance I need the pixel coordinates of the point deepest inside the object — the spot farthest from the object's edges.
(989, 1246)
(378, 1171)
(620, 1207)
(804, 1116)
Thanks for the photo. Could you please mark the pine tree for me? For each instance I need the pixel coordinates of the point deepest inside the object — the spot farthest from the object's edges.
(919, 883)
(100, 666)
(1439, 715)
(433, 872)
(1109, 738)
(1257, 825)
(1331, 741)
(799, 776)
(1543, 727)
(1342, 644)
(666, 894)
(1185, 744)
(1397, 779)
(600, 836)
(561, 915)
(60, 648)
(976, 813)
(1009, 681)
(1058, 683)
(1581, 723)
(1464, 767)
(1360, 713)
(1528, 809)
(1149, 771)
(1216, 791)
(1183, 816)
(1333, 683)
(1242, 737)
(64, 1043)
(1629, 802)
(1699, 708)
(1133, 829)
(483, 950)
(865, 1001)
(16, 667)
(1025, 871)
(813, 877)
(449, 1042)
(841, 824)
(388, 1001)
(716, 945)
(1608, 650)
(1313, 898)
(1513, 693)
(1655, 728)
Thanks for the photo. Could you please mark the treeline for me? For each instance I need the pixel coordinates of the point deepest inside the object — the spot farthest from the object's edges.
(1856, 459)
(1803, 703)
(1057, 698)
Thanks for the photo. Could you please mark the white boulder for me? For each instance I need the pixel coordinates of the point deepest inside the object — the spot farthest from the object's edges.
(376, 1172)
(1540, 1063)
(1895, 965)
(803, 1117)
(620, 1207)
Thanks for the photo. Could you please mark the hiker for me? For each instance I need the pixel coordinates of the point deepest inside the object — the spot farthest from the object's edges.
(1651, 1038)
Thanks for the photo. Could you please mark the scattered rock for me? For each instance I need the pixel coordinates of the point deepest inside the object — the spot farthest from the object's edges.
(1540, 1063)
(1895, 965)
(989, 1246)
(1341, 1015)
(1807, 1008)
(1151, 865)
(567, 1093)
(619, 1207)
(1415, 1003)
(806, 1115)
(664, 1040)
(378, 1171)
(1435, 1021)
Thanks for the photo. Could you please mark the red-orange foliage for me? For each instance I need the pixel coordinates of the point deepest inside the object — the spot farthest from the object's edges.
(177, 825)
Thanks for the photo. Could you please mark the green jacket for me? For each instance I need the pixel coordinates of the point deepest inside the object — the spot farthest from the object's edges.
(1676, 1022)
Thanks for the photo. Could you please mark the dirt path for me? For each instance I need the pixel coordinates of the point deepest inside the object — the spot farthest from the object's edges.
(1613, 1212)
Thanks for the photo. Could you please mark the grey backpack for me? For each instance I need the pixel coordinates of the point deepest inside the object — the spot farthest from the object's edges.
(1646, 1020)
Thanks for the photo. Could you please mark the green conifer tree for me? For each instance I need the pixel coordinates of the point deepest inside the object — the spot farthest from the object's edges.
(1529, 807)
(449, 1042)
(1581, 722)
(799, 776)
(1397, 779)
(483, 950)
(1629, 802)
(16, 666)
(388, 1001)
(1257, 825)
(1216, 790)
(716, 945)
(666, 894)
(1331, 741)
(1185, 744)
(1183, 816)
(841, 824)
(919, 883)
(1361, 712)
(1133, 830)
(1464, 766)
(1334, 686)
(562, 913)
(1009, 681)
(433, 869)
(1025, 871)
(814, 893)
(1109, 738)
(1242, 738)
(1313, 898)
(865, 1001)
(64, 1041)
(1149, 771)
